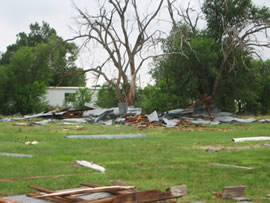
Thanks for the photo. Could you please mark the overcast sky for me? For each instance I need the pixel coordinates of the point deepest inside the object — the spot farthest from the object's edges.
(17, 15)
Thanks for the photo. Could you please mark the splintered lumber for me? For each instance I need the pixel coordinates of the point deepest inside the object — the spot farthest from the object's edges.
(142, 197)
(244, 139)
(39, 177)
(89, 190)
(8, 201)
(233, 192)
(52, 199)
(40, 189)
(112, 192)
(233, 166)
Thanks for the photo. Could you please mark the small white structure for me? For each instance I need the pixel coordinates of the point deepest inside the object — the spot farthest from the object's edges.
(56, 96)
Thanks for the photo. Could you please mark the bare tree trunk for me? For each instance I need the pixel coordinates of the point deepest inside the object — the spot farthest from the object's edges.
(131, 91)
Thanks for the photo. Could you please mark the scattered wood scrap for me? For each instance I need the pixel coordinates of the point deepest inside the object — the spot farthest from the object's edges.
(8, 201)
(136, 197)
(89, 190)
(40, 189)
(120, 193)
(233, 192)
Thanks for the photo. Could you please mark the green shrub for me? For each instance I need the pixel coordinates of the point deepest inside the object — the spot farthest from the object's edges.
(80, 98)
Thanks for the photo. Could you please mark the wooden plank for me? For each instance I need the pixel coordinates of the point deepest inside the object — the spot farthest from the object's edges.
(39, 177)
(52, 199)
(232, 166)
(137, 197)
(40, 189)
(112, 192)
(233, 191)
(89, 190)
(8, 201)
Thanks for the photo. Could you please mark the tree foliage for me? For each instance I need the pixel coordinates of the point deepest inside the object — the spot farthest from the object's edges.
(37, 60)
(214, 64)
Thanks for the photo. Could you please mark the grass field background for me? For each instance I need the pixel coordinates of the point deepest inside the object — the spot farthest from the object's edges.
(165, 158)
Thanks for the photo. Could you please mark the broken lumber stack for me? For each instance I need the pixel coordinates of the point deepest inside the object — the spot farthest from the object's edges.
(118, 193)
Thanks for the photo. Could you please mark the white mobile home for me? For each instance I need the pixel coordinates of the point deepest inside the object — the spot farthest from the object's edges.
(56, 96)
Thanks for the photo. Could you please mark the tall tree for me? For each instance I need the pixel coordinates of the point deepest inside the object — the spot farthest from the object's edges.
(37, 59)
(58, 56)
(124, 33)
(234, 27)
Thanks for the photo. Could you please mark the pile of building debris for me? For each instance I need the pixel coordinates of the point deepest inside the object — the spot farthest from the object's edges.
(119, 192)
(134, 117)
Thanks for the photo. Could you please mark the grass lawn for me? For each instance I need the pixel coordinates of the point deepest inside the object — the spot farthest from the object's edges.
(166, 157)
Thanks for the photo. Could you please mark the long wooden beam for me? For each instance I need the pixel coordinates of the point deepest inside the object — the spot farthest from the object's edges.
(89, 190)
(40, 189)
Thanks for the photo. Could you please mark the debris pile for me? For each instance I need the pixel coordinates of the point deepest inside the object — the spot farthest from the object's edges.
(119, 192)
(134, 117)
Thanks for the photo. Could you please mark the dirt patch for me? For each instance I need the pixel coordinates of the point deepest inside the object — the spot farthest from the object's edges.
(228, 148)
(192, 128)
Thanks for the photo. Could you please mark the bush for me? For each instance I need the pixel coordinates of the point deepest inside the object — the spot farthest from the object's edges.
(80, 98)
(107, 97)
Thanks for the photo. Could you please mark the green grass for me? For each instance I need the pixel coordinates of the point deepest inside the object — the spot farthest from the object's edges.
(166, 157)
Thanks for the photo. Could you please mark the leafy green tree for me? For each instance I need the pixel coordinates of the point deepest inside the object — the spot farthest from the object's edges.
(107, 97)
(233, 25)
(260, 103)
(213, 64)
(185, 77)
(26, 82)
(37, 60)
(60, 56)
(3, 86)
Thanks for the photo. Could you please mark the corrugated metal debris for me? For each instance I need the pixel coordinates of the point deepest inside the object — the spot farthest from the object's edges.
(134, 117)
